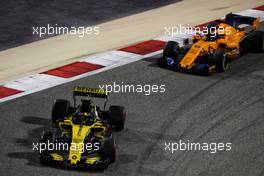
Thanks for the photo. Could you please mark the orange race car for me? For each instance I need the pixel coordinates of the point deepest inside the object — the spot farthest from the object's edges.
(212, 52)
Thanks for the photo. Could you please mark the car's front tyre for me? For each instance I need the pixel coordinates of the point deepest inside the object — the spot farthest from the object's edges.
(60, 109)
(108, 149)
(221, 61)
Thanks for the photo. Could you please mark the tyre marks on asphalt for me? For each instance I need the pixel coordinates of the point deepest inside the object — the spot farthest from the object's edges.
(144, 156)
(200, 108)
(248, 96)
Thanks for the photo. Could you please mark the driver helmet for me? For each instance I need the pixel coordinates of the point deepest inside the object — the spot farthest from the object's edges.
(212, 32)
(86, 106)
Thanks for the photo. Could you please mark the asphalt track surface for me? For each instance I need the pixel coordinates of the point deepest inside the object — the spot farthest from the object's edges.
(224, 107)
(18, 17)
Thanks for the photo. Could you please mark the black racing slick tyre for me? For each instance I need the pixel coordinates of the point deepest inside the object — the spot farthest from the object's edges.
(253, 42)
(60, 109)
(171, 49)
(221, 61)
(256, 42)
(108, 149)
(117, 117)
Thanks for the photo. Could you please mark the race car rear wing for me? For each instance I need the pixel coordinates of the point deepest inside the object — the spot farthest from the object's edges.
(91, 92)
(236, 20)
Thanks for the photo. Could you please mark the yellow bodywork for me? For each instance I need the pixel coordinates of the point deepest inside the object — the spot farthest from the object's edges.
(92, 160)
(79, 133)
(57, 157)
(77, 145)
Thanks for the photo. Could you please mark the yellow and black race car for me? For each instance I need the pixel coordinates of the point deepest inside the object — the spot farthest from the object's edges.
(81, 135)
(212, 52)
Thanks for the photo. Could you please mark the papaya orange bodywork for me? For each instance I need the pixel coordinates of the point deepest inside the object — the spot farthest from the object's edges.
(230, 38)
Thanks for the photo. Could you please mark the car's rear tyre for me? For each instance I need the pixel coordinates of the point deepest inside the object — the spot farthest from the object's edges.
(253, 42)
(221, 61)
(117, 117)
(60, 109)
(108, 149)
(256, 40)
